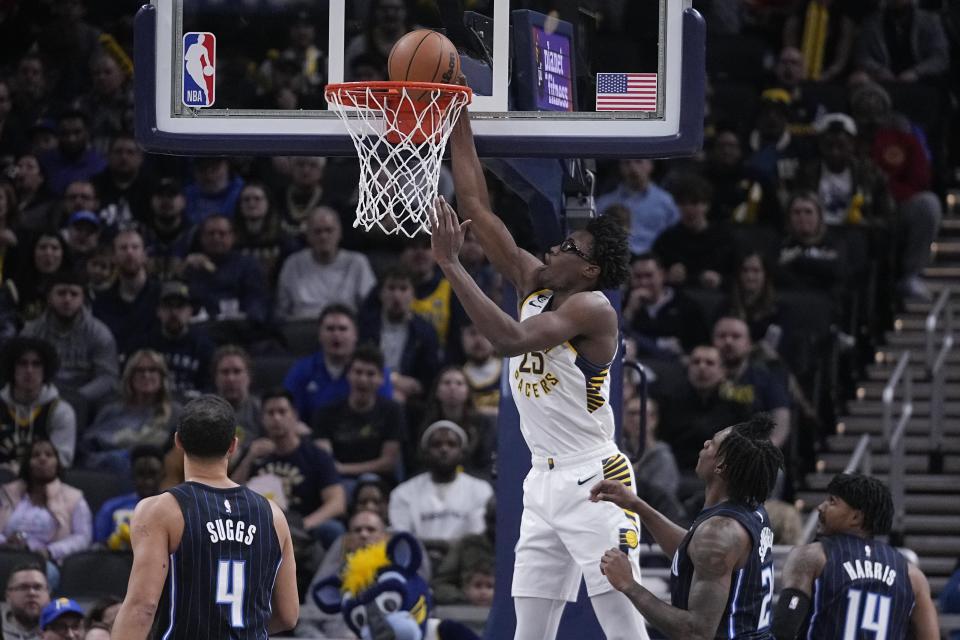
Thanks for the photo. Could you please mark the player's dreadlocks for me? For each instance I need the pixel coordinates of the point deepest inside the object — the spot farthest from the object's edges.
(750, 461)
(610, 251)
(869, 495)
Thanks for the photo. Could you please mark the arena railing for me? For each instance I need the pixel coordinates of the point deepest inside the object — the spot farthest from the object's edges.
(936, 369)
(894, 435)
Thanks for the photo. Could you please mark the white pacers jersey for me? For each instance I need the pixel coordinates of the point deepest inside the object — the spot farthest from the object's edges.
(562, 398)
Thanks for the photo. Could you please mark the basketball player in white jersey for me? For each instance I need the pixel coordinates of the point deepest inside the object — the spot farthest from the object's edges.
(560, 353)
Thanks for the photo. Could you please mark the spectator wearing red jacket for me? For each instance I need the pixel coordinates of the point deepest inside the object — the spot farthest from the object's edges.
(894, 147)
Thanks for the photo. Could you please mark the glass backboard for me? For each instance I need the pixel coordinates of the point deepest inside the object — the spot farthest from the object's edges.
(550, 78)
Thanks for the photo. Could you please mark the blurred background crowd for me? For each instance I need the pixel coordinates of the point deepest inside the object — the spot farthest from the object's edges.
(764, 272)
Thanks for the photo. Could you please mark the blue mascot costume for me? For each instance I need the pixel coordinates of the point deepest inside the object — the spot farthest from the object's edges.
(381, 597)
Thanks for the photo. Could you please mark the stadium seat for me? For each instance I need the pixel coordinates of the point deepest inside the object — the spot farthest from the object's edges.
(97, 486)
(269, 371)
(7, 475)
(300, 336)
(95, 574)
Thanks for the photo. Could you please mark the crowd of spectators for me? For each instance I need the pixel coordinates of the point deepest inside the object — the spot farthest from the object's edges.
(366, 401)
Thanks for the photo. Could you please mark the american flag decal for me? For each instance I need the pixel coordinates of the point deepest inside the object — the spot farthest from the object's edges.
(626, 92)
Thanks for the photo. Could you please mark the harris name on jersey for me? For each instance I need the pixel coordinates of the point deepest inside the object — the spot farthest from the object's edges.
(866, 570)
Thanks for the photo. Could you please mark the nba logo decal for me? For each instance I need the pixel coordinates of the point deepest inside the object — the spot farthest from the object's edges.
(199, 68)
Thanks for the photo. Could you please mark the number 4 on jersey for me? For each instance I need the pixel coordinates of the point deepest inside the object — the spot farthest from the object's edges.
(230, 589)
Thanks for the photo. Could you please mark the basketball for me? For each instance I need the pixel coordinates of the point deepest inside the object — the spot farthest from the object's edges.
(208, 70)
(424, 56)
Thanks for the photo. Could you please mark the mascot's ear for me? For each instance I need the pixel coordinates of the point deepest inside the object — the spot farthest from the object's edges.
(327, 595)
(404, 551)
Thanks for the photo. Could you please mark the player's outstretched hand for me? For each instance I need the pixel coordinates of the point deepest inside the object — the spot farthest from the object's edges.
(616, 566)
(615, 492)
(447, 232)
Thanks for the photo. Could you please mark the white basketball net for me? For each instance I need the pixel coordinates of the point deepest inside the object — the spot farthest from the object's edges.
(400, 142)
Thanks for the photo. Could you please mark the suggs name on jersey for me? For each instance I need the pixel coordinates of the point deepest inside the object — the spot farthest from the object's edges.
(221, 530)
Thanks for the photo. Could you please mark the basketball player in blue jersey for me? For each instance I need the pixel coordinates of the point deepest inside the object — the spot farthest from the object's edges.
(847, 585)
(216, 556)
(721, 580)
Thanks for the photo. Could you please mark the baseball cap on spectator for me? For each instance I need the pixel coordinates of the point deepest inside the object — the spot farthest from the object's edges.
(835, 122)
(85, 216)
(57, 608)
(779, 98)
(174, 290)
(43, 124)
(167, 187)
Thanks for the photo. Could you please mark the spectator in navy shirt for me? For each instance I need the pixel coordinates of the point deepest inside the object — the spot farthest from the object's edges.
(409, 343)
(664, 321)
(123, 187)
(186, 349)
(310, 482)
(695, 252)
(129, 306)
(319, 380)
(213, 191)
(167, 234)
(73, 159)
(652, 210)
(756, 384)
(226, 284)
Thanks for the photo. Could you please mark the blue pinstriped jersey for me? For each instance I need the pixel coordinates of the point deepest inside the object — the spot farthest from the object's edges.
(863, 593)
(749, 603)
(221, 577)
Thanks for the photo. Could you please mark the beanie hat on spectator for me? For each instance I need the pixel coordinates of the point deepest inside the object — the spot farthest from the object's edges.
(444, 424)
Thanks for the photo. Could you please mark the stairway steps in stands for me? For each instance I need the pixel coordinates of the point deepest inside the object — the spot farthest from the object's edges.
(881, 372)
(915, 463)
(937, 524)
(854, 425)
(872, 389)
(891, 354)
(912, 339)
(915, 483)
(917, 503)
(949, 227)
(920, 408)
(943, 250)
(937, 565)
(942, 272)
(935, 545)
(845, 444)
(911, 321)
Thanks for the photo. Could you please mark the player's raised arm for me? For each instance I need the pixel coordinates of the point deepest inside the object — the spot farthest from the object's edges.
(583, 314)
(804, 565)
(473, 203)
(923, 620)
(150, 531)
(285, 599)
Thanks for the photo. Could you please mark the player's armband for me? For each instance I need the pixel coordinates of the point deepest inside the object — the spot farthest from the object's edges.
(790, 614)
